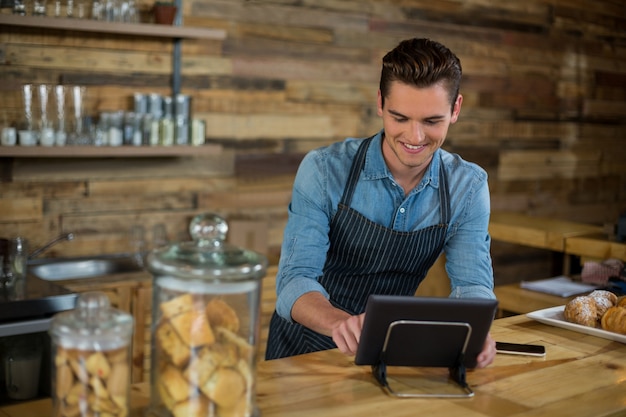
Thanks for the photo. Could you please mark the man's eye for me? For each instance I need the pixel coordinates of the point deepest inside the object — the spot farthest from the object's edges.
(400, 119)
(432, 122)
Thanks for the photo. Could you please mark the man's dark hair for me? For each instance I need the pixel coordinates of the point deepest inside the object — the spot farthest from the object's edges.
(421, 63)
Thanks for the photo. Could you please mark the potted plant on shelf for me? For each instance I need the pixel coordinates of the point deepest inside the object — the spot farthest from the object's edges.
(164, 12)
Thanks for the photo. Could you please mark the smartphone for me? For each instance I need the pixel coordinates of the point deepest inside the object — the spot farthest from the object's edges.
(520, 349)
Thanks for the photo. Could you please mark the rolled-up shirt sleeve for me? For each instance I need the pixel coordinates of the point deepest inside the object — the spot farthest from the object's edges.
(468, 258)
(305, 240)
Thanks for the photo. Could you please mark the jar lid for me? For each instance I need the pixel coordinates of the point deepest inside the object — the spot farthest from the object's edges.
(92, 325)
(208, 257)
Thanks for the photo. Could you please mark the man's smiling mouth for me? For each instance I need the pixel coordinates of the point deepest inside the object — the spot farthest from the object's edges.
(412, 147)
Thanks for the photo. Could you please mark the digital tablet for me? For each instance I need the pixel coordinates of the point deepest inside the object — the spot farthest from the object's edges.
(426, 331)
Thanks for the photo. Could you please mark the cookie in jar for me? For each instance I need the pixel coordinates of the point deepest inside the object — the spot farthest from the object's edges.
(91, 359)
(205, 324)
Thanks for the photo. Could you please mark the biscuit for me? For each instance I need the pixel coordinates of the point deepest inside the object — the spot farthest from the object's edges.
(98, 365)
(117, 355)
(193, 328)
(227, 337)
(202, 366)
(77, 365)
(175, 384)
(64, 380)
(77, 394)
(194, 407)
(220, 314)
(176, 306)
(98, 387)
(172, 345)
(118, 380)
(225, 387)
(102, 405)
(241, 409)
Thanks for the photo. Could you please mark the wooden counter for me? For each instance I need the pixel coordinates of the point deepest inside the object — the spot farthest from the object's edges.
(580, 376)
(514, 299)
(536, 232)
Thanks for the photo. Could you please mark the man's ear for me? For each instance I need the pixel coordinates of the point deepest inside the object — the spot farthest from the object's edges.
(379, 104)
(456, 109)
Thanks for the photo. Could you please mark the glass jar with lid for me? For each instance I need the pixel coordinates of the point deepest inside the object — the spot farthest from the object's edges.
(91, 351)
(205, 324)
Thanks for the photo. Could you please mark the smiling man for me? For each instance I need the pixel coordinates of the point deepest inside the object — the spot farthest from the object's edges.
(371, 216)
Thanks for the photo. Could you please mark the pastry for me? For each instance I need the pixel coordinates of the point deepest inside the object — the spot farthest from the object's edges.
(604, 300)
(621, 302)
(581, 310)
(614, 320)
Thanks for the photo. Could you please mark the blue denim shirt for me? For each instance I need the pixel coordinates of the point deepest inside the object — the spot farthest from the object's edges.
(319, 185)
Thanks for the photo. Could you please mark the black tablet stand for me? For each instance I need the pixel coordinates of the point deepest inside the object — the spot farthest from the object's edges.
(398, 350)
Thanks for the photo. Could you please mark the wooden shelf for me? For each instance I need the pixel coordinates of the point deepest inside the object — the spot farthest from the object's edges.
(107, 151)
(88, 25)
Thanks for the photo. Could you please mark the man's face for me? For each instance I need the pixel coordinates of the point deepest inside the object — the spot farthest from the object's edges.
(416, 122)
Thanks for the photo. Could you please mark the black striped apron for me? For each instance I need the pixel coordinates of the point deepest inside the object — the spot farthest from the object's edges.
(364, 258)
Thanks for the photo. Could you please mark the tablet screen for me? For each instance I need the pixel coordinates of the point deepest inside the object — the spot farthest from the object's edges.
(435, 340)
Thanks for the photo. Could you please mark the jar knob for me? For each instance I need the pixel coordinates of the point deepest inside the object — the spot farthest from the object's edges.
(208, 229)
(92, 306)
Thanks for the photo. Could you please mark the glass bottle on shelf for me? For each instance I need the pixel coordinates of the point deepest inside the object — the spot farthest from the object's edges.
(60, 133)
(69, 8)
(166, 124)
(116, 123)
(39, 7)
(19, 7)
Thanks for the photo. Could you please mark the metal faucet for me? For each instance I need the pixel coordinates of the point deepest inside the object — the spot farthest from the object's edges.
(64, 236)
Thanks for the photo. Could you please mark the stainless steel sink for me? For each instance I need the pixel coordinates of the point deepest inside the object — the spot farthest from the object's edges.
(59, 269)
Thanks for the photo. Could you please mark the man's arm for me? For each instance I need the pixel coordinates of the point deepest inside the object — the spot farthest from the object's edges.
(314, 311)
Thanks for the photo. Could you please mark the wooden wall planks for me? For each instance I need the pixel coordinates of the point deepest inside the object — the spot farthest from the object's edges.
(544, 109)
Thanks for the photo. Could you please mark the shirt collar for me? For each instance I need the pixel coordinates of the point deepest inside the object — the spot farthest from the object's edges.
(375, 167)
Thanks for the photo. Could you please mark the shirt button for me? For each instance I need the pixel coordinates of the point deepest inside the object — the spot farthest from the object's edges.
(402, 210)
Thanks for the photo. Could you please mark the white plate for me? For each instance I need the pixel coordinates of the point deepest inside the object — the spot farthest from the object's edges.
(554, 317)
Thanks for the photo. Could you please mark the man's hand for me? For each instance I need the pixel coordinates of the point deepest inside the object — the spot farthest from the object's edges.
(347, 334)
(486, 356)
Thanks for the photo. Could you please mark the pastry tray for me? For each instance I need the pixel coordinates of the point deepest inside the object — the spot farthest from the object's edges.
(553, 316)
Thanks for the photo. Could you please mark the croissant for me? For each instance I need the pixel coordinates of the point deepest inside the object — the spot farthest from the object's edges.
(614, 320)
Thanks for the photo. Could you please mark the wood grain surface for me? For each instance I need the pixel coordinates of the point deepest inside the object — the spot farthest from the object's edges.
(580, 376)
